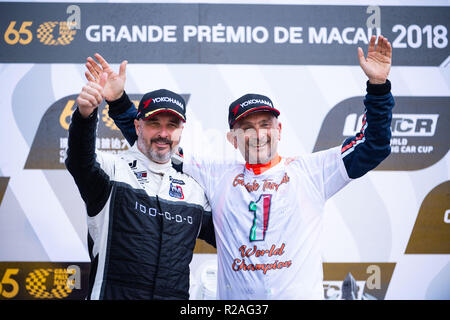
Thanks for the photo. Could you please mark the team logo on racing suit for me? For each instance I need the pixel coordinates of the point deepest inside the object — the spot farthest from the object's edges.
(175, 190)
(141, 176)
(133, 165)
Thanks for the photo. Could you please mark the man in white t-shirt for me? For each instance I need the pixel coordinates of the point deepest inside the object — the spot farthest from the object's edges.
(268, 212)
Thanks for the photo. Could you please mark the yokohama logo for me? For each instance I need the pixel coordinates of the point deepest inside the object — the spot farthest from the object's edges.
(167, 99)
(253, 101)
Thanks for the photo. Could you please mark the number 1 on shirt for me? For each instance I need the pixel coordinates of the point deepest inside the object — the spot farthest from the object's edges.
(261, 209)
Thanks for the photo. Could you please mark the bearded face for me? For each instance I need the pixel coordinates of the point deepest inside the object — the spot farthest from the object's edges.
(159, 136)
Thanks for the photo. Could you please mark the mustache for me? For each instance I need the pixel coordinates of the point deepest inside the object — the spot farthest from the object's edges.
(253, 142)
(161, 140)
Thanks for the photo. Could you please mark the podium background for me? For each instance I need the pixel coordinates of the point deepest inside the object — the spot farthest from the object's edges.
(396, 218)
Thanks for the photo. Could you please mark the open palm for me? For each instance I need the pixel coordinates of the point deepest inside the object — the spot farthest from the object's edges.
(378, 62)
(115, 82)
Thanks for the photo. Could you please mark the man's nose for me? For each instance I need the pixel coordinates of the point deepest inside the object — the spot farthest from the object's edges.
(164, 132)
(261, 133)
(251, 134)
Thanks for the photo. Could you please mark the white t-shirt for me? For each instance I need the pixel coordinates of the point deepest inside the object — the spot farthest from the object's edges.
(268, 226)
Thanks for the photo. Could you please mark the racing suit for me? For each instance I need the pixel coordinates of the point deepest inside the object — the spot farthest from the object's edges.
(143, 219)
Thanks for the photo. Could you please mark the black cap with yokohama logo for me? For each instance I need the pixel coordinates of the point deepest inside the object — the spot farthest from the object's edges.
(247, 104)
(162, 100)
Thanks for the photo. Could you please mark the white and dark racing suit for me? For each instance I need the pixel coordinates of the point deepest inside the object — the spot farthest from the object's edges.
(143, 219)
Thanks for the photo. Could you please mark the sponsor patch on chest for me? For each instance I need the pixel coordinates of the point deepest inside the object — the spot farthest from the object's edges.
(175, 188)
(141, 175)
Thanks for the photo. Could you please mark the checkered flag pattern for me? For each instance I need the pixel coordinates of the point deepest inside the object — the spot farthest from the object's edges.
(37, 280)
(45, 33)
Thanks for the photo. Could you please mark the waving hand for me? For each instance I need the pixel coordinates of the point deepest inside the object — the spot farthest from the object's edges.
(377, 64)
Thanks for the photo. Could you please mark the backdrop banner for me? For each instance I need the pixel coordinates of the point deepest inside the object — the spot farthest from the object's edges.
(219, 33)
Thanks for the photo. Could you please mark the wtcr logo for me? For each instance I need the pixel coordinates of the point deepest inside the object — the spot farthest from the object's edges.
(412, 125)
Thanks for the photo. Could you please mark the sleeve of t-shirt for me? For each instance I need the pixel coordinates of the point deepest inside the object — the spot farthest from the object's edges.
(371, 145)
(200, 170)
(326, 170)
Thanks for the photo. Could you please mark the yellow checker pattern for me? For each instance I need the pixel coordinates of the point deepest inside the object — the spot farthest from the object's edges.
(46, 29)
(48, 283)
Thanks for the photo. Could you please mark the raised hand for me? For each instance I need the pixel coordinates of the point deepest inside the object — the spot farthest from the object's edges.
(91, 96)
(378, 62)
(115, 82)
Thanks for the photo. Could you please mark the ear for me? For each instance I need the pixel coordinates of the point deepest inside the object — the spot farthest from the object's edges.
(232, 139)
(279, 130)
(136, 126)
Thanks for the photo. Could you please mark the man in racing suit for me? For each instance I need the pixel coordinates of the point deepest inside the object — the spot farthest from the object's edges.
(144, 215)
(268, 212)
